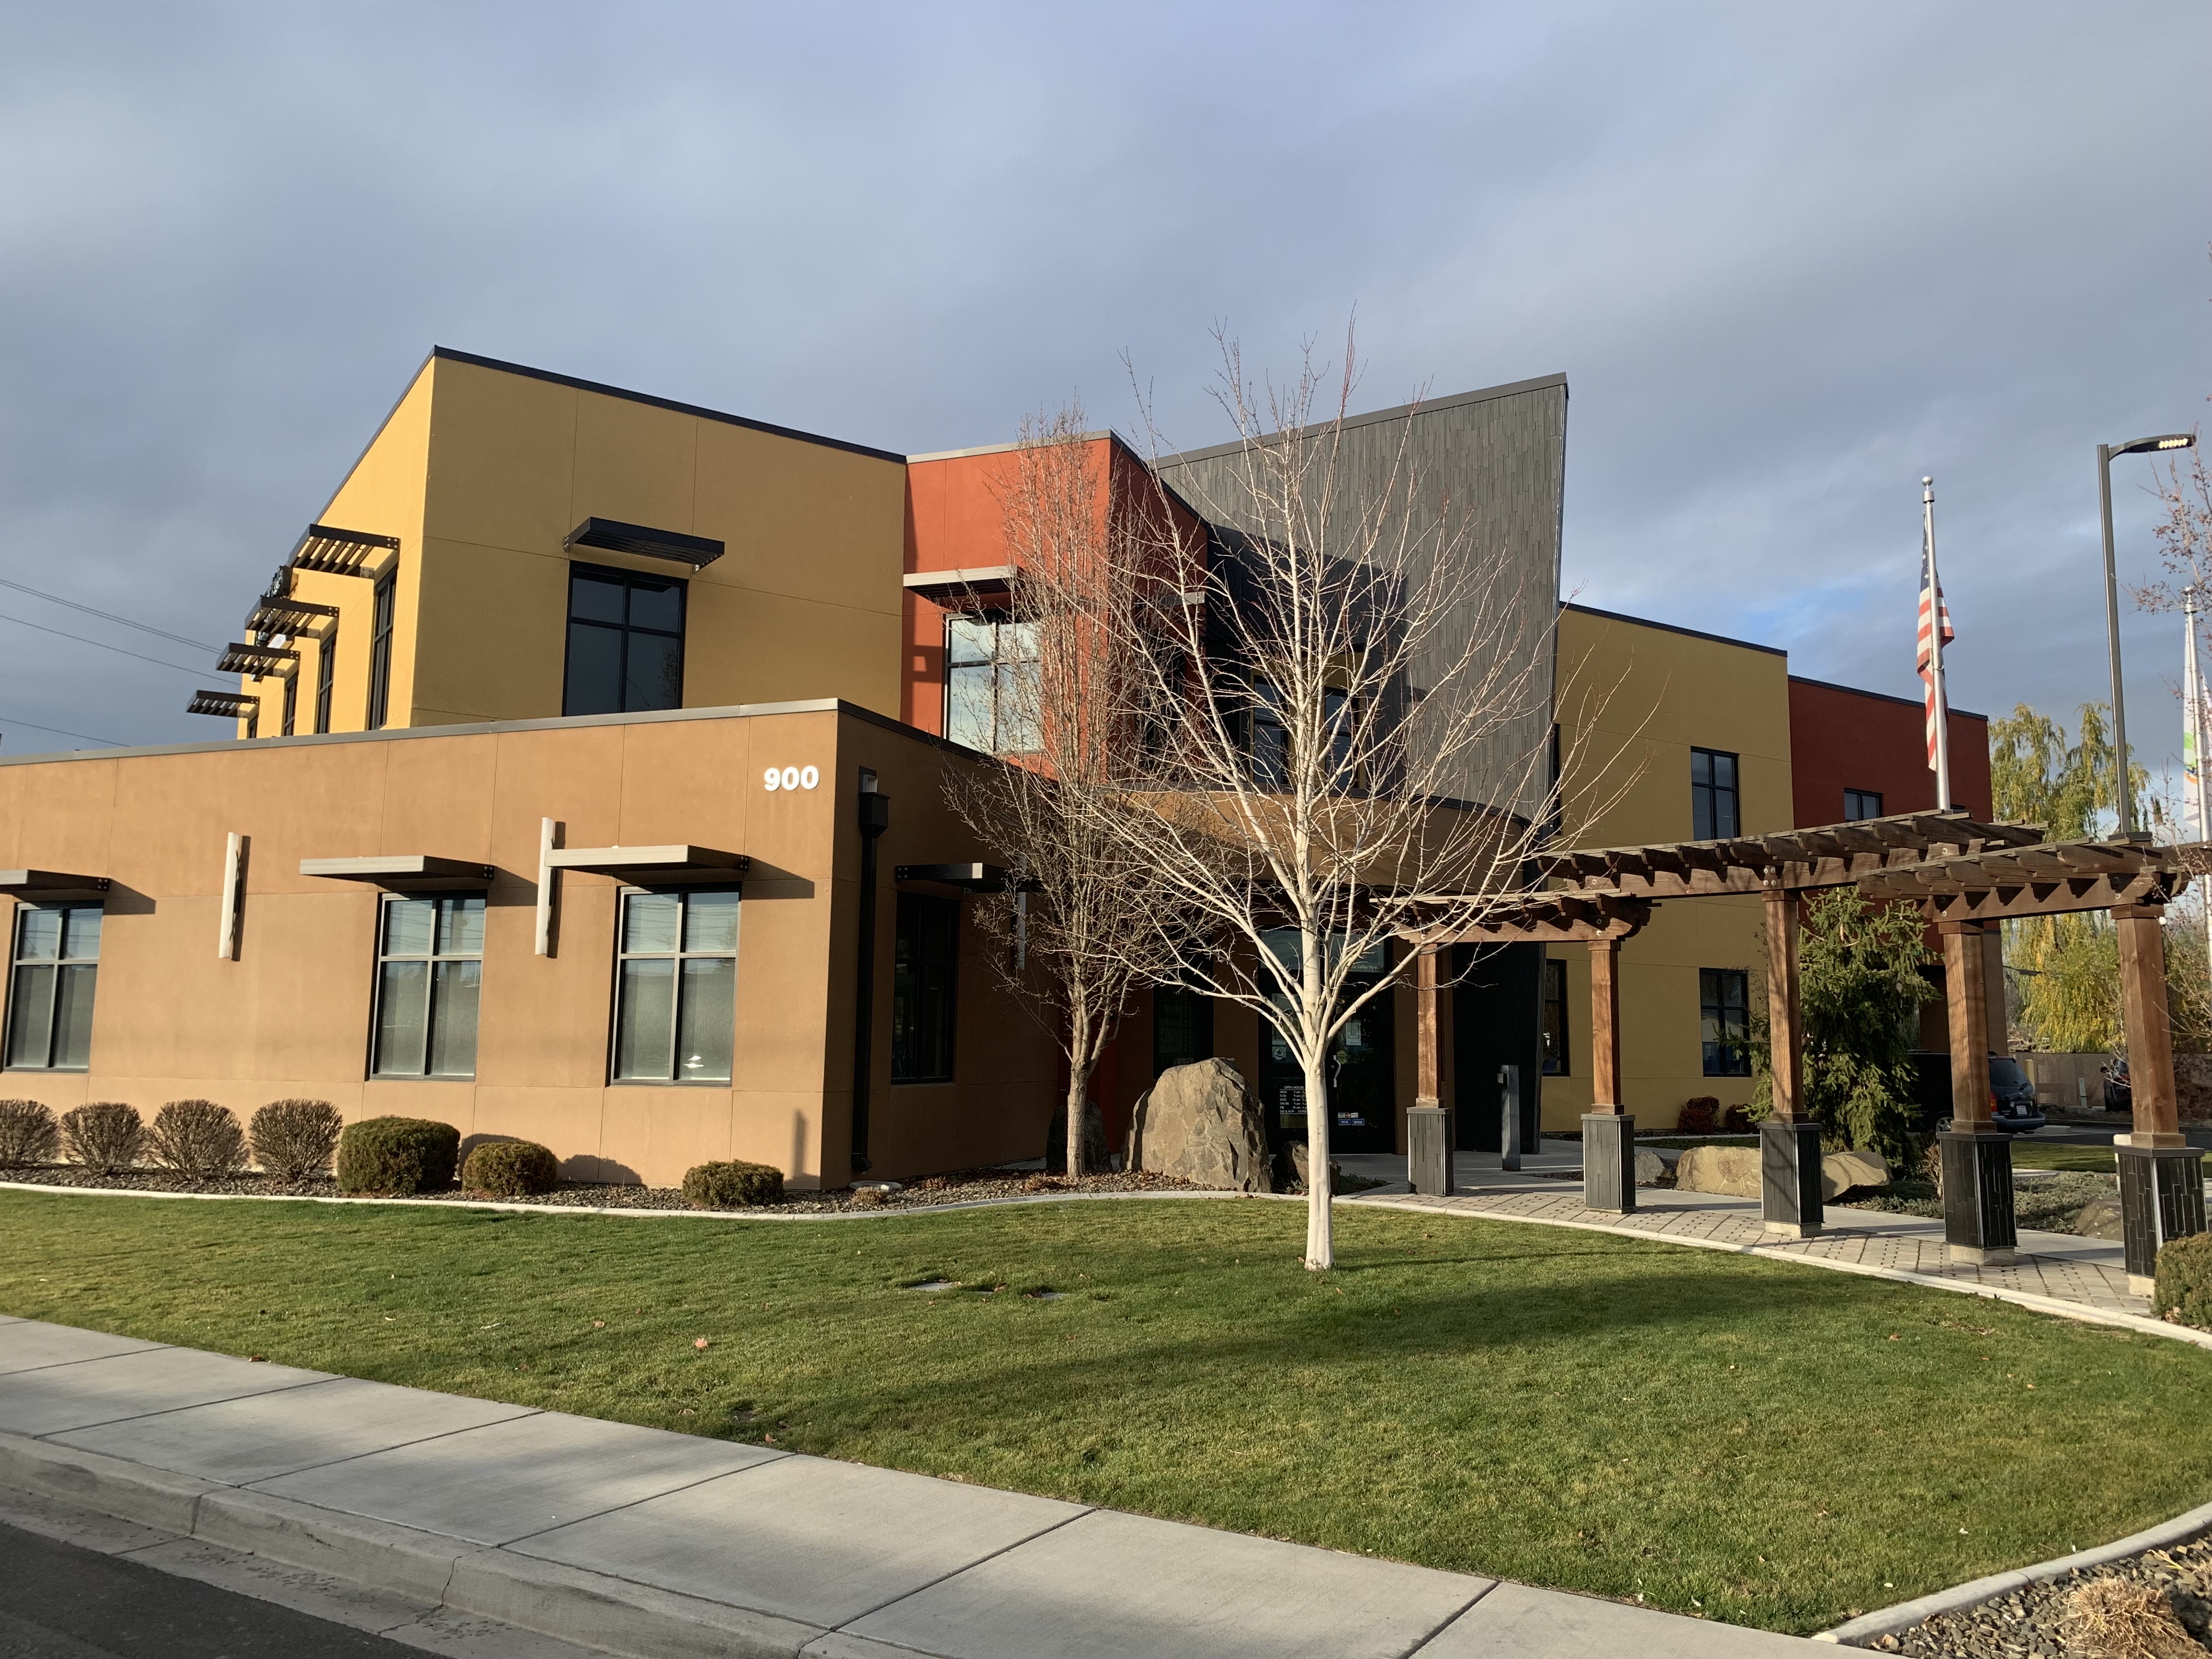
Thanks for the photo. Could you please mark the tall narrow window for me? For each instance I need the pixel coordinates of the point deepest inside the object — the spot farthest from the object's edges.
(429, 975)
(1713, 795)
(291, 699)
(991, 683)
(924, 981)
(1724, 1010)
(1555, 1018)
(625, 641)
(326, 675)
(1861, 804)
(1182, 1027)
(675, 1006)
(380, 657)
(57, 962)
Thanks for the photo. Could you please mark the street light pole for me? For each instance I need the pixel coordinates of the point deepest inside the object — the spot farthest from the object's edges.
(2124, 805)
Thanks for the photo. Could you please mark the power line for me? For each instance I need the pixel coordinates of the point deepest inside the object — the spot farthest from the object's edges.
(6, 720)
(105, 615)
(104, 646)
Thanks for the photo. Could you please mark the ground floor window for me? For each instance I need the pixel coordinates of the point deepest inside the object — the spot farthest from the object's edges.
(925, 977)
(1182, 1027)
(1724, 1008)
(56, 964)
(1555, 1018)
(429, 977)
(676, 1006)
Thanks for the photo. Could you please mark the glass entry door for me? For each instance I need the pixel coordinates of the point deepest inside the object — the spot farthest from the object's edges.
(1362, 1070)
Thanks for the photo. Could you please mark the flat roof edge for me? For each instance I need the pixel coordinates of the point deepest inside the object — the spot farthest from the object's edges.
(1102, 433)
(1674, 627)
(1880, 696)
(1455, 400)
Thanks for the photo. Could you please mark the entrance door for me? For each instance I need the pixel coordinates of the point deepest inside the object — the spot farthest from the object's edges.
(1362, 1071)
(1497, 1020)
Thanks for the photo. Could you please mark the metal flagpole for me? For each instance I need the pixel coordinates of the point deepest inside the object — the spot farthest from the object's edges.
(1943, 713)
(2193, 747)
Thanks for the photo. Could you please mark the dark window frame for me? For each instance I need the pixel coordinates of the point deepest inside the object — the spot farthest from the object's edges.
(1724, 1021)
(326, 676)
(679, 955)
(385, 603)
(291, 700)
(1709, 795)
(628, 580)
(18, 966)
(1552, 1020)
(925, 987)
(1193, 1004)
(1856, 804)
(994, 669)
(434, 1004)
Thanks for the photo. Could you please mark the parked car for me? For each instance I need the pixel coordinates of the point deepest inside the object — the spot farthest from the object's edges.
(2119, 1092)
(2011, 1096)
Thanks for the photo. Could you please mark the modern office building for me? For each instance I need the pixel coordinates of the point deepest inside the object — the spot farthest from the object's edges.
(587, 784)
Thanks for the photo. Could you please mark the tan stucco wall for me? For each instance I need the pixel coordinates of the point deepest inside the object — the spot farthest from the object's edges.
(1638, 697)
(291, 1015)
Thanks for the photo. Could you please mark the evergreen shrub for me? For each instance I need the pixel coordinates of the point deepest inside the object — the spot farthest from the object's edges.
(104, 1137)
(29, 1133)
(1699, 1116)
(2184, 1285)
(396, 1157)
(511, 1169)
(295, 1138)
(735, 1185)
(197, 1137)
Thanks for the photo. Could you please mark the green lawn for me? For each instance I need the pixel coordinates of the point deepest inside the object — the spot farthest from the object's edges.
(1766, 1444)
(2049, 1155)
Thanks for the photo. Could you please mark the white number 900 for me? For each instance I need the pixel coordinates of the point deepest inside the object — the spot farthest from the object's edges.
(791, 777)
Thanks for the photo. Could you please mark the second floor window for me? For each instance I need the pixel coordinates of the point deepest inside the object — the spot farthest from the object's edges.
(1713, 810)
(429, 976)
(676, 1008)
(1725, 1009)
(991, 683)
(291, 699)
(625, 642)
(1555, 1018)
(1861, 803)
(57, 964)
(326, 675)
(379, 656)
(925, 978)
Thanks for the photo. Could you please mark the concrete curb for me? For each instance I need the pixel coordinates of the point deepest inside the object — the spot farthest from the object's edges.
(1888, 1621)
(571, 1603)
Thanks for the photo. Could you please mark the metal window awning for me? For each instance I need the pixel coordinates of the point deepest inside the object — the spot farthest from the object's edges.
(975, 589)
(968, 877)
(279, 614)
(224, 705)
(400, 872)
(259, 661)
(34, 885)
(613, 536)
(652, 867)
(337, 552)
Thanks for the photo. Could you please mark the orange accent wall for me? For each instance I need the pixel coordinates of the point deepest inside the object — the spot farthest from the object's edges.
(1843, 740)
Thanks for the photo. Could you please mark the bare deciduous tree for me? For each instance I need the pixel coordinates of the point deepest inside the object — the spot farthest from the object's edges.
(1081, 931)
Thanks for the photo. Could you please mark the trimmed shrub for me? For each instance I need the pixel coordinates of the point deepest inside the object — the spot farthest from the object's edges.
(2184, 1285)
(1699, 1115)
(295, 1138)
(735, 1185)
(396, 1157)
(511, 1169)
(1736, 1119)
(104, 1137)
(197, 1137)
(27, 1134)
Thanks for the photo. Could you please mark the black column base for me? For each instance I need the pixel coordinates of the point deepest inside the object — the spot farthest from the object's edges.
(1429, 1150)
(1790, 1178)
(1610, 1162)
(1977, 1209)
(2161, 1197)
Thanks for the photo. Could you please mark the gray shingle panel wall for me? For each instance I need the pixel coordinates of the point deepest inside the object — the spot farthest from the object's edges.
(1495, 460)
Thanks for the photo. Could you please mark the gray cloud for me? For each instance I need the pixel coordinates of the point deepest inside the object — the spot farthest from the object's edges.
(1789, 258)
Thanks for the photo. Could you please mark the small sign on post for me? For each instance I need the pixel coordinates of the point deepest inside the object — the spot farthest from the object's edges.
(1508, 1139)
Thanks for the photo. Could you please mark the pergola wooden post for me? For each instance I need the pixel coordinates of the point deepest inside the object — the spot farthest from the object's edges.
(1429, 1128)
(2161, 1178)
(1608, 1128)
(1979, 1223)
(1790, 1196)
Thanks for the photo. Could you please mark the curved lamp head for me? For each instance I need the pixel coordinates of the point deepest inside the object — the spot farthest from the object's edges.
(2151, 446)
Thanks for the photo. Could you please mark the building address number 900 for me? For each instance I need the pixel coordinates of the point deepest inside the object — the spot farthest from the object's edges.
(791, 777)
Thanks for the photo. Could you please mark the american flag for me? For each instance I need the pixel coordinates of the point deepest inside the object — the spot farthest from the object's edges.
(1933, 614)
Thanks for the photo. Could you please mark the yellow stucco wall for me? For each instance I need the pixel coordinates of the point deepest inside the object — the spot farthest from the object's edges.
(1634, 699)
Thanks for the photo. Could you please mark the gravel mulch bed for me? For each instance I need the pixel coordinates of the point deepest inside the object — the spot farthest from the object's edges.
(2048, 1203)
(2033, 1623)
(961, 1187)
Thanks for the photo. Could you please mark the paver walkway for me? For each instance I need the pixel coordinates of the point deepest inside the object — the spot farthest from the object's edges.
(644, 1542)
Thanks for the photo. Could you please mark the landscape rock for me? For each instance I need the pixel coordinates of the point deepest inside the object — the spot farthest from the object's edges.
(1731, 1169)
(1199, 1123)
(1292, 1163)
(2100, 1217)
(1650, 1166)
(1842, 1172)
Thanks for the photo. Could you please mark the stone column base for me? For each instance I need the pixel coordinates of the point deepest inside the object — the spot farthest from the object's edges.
(1429, 1150)
(1610, 1162)
(1789, 1178)
(1978, 1207)
(2000, 1255)
(2161, 1197)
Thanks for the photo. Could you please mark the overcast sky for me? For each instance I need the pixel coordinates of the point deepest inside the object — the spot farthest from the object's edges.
(1789, 256)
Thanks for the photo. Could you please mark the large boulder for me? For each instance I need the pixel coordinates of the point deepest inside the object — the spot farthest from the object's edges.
(1292, 1163)
(1650, 1167)
(1850, 1169)
(1735, 1171)
(1201, 1122)
(2100, 1217)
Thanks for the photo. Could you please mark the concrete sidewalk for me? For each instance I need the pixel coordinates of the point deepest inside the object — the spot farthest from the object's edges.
(643, 1542)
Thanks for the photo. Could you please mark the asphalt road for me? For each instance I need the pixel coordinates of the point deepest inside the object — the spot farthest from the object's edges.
(57, 1601)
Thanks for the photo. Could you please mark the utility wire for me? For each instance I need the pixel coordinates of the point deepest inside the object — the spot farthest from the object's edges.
(104, 646)
(6, 720)
(105, 615)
